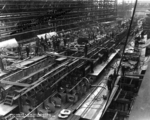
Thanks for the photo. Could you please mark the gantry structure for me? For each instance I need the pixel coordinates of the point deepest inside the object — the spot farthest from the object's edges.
(25, 19)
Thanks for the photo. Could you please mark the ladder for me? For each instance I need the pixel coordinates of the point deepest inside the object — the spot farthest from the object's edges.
(9, 99)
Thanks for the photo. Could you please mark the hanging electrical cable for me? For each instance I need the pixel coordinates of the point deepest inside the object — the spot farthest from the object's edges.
(128, 34)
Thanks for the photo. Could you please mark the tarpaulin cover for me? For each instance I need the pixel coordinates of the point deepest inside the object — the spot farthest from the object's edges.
(11, 43)
(48, 35)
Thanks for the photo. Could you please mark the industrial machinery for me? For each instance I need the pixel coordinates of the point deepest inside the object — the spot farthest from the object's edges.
(51, 78)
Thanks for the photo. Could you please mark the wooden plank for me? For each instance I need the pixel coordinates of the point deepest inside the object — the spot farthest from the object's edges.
(82, 58)
(127, 85)
(123, 113)
(61, 59)
(117, 81)
(27, 61)
(133, 76)
(15, 83)
(118, 95)
(122, 100)
(114, 118)
(6, 56)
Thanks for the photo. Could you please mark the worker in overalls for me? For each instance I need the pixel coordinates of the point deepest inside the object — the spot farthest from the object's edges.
(90, 63)
(123, 70)
(19, 50)
(58, 43)
(53, 41)
(68, 51)
(89, 35)
(100, 58)
(46, 40)
(37, 47)
(91, 66)
(65, 41)
(115, 74)
(106, 54)
(43, 44)
(85, 50)
(137, 64)
(112, 35)
(27, 51)
(109, 84)
(113, 80)
(1, 64)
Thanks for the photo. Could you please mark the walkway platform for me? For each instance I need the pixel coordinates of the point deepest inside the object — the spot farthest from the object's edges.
(21, 64)
(15, 83)
(2, 73)
(29, 61)
(5, 109)
(99, 68)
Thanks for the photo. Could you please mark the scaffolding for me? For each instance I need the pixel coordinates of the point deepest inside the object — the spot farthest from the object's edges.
(26, 19)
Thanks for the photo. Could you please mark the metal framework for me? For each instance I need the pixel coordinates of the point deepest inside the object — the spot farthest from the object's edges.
(27, 18)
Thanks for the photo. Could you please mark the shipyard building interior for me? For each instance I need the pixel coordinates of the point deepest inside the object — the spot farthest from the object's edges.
(74, 60)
